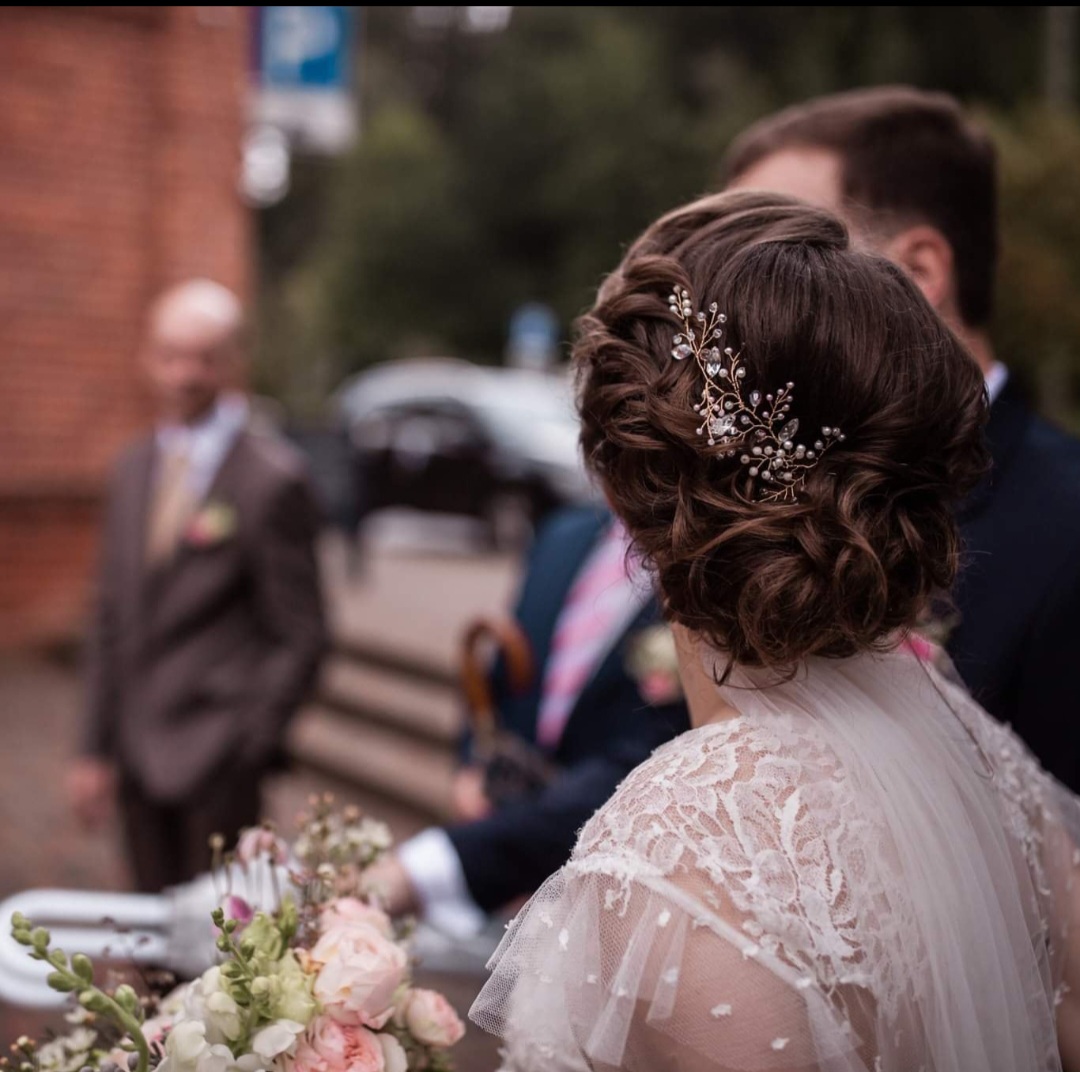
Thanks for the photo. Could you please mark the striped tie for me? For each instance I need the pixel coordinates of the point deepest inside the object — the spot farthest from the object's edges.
(598, 599)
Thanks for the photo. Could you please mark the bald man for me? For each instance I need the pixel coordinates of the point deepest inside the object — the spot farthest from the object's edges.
(208, 625)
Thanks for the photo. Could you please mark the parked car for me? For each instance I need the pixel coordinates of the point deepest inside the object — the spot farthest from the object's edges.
(446, 436)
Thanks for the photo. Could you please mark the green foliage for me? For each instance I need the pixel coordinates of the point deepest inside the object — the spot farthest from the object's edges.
(400, 235)
(121, 1007)
(261, 973)
(503, 168)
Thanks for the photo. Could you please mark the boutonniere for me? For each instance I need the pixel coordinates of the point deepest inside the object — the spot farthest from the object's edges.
(213, 523)
(653, 663)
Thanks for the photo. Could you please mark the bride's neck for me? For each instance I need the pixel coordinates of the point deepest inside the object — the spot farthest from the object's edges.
(695, 669)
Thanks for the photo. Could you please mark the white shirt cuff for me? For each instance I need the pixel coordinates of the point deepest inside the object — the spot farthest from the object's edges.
(435, 872)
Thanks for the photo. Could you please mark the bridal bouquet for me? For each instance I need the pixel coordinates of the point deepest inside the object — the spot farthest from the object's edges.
(320, 983)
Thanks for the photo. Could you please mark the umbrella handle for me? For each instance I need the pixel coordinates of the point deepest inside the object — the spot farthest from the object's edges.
(511, 642)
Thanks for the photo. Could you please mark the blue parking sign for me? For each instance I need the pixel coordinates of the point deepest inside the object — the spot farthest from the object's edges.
(304, 48)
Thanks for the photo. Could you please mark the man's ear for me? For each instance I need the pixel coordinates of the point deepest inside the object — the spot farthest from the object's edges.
(926, 256)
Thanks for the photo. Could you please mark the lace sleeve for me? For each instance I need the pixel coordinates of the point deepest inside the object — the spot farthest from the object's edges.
(1045, 818)
(681, 935)
(882, 881)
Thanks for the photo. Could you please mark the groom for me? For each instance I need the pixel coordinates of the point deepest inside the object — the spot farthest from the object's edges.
(585, 604)
(916, 180)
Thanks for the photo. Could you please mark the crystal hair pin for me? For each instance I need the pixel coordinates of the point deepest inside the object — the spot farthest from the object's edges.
(756, 428)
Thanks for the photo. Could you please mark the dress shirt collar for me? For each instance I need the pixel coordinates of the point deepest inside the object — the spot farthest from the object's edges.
(207, 441)
(996, 377)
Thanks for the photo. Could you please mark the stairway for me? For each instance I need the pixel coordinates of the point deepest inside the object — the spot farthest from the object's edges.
(384, 723)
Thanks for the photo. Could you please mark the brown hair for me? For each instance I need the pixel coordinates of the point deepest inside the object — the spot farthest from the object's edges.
(907, 156)
(871, 536)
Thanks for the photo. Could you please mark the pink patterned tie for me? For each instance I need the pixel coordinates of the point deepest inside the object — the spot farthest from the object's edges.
(602, 595)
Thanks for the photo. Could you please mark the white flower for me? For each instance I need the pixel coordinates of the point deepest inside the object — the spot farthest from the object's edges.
(372, 834)
(270, 1043)
(68, 1053)
(208, 1003)
(276, 1038)
(186, 1050)
(394, 1057)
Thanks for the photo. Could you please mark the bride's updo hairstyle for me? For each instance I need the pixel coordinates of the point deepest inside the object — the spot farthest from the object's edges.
(870, 535)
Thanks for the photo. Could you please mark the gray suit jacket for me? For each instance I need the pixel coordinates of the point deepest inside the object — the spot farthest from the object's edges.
(198, 664)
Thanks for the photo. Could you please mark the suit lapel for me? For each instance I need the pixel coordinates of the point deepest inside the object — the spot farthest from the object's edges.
(136, 521)
(158, 601)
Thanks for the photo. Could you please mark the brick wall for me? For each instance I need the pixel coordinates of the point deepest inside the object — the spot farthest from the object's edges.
(120, 130)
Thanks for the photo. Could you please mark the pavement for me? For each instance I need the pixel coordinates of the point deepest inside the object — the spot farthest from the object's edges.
(415, 587)
(412, 588)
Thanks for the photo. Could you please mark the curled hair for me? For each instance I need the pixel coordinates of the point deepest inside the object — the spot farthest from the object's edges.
(871, 536)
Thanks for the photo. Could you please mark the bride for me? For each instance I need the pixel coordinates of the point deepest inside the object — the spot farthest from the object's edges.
(845, 865)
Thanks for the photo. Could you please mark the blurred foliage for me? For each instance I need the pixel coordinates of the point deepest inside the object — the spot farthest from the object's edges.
(1037, 326)
(500, 168)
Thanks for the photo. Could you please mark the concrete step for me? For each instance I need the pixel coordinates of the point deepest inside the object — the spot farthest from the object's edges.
(385, 761)
(420, 707)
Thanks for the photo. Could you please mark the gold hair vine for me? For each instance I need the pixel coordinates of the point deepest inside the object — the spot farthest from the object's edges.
(758, 427)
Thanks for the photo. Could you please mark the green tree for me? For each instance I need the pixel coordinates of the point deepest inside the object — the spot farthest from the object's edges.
(1038, 318)
(495, 169)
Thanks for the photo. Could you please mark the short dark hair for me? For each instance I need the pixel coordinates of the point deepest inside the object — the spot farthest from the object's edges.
(872, 535)
(907, 155)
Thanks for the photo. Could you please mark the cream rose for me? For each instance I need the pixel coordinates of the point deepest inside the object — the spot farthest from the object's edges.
(347, 910)
(430, 1019)
(358, 971)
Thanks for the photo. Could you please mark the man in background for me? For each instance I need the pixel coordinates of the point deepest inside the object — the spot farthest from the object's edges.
(586, 607)
(208, 625)
(916, 180)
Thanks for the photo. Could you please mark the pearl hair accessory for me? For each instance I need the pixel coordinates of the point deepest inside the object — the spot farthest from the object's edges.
(756, 428)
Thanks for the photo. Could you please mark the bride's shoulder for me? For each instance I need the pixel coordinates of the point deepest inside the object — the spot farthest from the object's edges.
(725, 786)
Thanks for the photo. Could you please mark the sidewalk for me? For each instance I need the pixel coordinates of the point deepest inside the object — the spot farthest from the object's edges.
(416, 599)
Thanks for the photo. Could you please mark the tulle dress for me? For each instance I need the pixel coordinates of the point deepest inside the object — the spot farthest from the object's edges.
(863, 872)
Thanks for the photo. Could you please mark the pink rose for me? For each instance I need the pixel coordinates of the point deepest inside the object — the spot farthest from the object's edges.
(257, 842)
(329, 1046)
(430, 1019)
(347, 910)
(359, 970)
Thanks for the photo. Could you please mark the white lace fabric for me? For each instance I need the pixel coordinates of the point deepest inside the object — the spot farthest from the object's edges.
(861, 873)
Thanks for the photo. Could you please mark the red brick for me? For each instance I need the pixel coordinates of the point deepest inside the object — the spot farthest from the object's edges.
(121, 129)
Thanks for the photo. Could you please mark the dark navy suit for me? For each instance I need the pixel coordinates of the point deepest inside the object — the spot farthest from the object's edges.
(1017, 645)
(610, 730)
